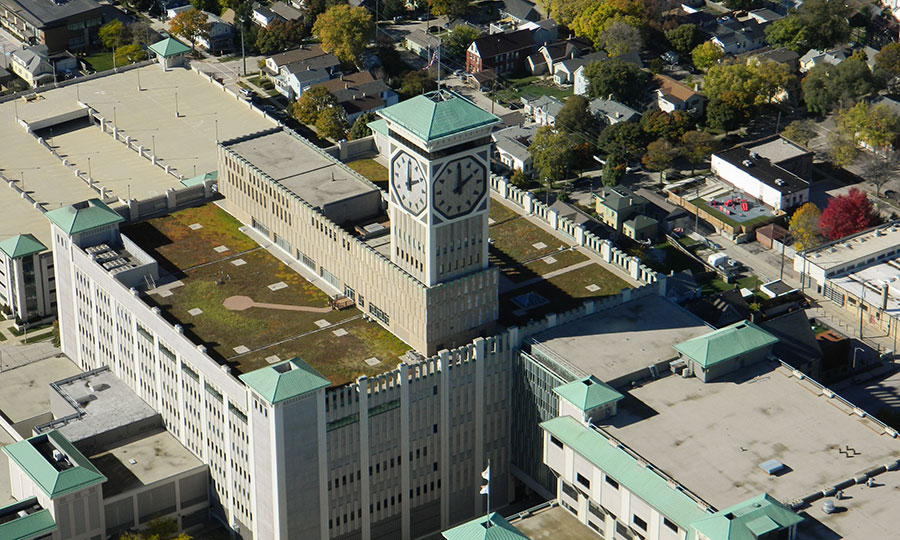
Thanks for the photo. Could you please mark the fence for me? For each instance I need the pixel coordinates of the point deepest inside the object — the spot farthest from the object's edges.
(500, 187)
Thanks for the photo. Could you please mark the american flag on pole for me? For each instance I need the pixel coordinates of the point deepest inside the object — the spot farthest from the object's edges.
(433, 58)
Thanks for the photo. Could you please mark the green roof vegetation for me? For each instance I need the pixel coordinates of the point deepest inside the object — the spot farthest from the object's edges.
(169, 47)
(588, 393)
(478, 529)
(285, 380)
(21, 245)
(627, 471)
(726, 343)
(48, 477)
(34, 525)
(438, 114)
(748, 520)
(83, 216)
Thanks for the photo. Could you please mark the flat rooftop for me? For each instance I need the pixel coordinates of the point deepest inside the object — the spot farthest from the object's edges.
(44, 12)
(186, 142)
(763, 169)
(26, 389)
(301, 168)
(855, 248)
(157, 455)
(645, 328)
(97, 396)
(717, 434)
(777, 149)
(873, 279)
(249, 308)
(5, 484)
(554, 523)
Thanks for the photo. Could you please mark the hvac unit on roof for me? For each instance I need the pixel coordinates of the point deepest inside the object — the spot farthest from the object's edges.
(779, 182)
(58, 456)
(753, 155)
(747, 163)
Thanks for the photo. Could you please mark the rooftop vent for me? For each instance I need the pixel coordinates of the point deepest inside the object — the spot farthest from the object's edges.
(828, 507)
(22, 513)
(747, 163)
(779, 182)
(58, 456)
(753, 155)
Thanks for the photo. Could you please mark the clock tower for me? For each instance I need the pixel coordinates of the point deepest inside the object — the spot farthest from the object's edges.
(439, 149)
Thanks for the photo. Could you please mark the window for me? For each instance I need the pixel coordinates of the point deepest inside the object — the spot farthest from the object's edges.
(570, 491)
(612, 482)
(582, 480)
(556, 442)
(668, 523)
(639, 522)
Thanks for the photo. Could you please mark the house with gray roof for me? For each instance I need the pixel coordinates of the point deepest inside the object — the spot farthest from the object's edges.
(612, 112)
(542, 109)
(519, 11)
(511, 147)
(294, 78)
(814, 57)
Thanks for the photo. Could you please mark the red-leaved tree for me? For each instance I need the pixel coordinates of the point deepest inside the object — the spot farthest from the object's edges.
(847, 214)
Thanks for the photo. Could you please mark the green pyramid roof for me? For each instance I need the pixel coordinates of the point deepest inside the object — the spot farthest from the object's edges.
(748, 520)
(21, 245)
(500, 529)
(200, 178)
(52, 481)
(285, 380)
(169, 47)
(83, 216)
(31, 526)
(626, 470)
(588, 393)
(725, 343)
(437, 114)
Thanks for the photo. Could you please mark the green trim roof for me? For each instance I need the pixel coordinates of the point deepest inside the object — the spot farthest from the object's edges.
(25, 528)
(726, 343)
(626, 470)
(54, 483)
(200, 178)
(588, 393)
(748, 520)
(285, 380)
(379, 126)
(438, 114)
(500, 529)
(169, 47)
(21, 245)
(83, 216)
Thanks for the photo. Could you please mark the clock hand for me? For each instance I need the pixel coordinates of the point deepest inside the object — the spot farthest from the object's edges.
(408, 175)
(458, 187)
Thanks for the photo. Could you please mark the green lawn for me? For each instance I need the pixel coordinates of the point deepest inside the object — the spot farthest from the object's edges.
(101, 61)
(171, 239)
(500, 213)
(514, 239)
(533, 87)
(371, 169)
(2, 336)
(31, 330)
(38, 337)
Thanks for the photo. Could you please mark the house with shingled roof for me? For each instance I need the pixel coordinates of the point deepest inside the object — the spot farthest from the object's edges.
(672, 95)
(505, 52)
(170, 52)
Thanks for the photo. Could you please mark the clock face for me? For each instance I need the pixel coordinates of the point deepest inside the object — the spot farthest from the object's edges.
(408, 183)
(459, 187)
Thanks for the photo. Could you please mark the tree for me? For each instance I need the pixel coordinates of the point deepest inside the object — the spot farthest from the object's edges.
(129, 54)
(519, 179)
(842, 148)
(878, 172)
(888, 59)
(596, 18)
(670, 126)
(360, 128)
(660, 154)
(280, 36)
(344, 31)
(696, 147)
(613, 170)
(417, 82)
(114, 34)
(451, 8)
(745, 5)
(816, 24)
(875, 126)
(706, 55)
(191, 25)
(847, 214)
(551, 152)
(722, 115)
(804, 226)
(826, 87)
(625, 140)
(623, 81)
(576, 117)
(312, 102)
(748, 85)
(332, 123)
(158, 529)
(459, 39)
(800, 131)
(684, 38)
(619, 37)
(210, 6)
(142, 33)
(391, 8)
